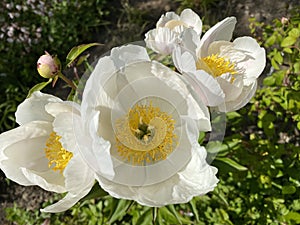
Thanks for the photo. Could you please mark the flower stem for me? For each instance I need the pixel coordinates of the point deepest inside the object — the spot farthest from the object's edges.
(69, 82)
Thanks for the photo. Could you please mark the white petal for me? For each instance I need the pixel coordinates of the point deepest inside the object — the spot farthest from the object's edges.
(256, 61)
(223, 30)
(128, 54)
(23, 147)
(23, 159)
(197, 178)
(166, 18)
(183, 60)
(205, 87)
(78, 174)
(231, 89)
(48, 180)
(33, 108)
(93, 149)
(161, 40)
(190, 41)
(189, 17)
(79, 181)
(63, 126)
(246, 95)
(191, 182)
(59, 107)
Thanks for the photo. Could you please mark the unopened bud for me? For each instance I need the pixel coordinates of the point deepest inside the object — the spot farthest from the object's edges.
(284, 20)
(48, 66)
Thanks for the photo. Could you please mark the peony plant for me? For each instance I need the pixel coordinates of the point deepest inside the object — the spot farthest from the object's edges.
(133, 124)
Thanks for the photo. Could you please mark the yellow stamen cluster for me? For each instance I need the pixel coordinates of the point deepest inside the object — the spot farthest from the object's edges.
(216, 65)
(145, 135)
(58, 156)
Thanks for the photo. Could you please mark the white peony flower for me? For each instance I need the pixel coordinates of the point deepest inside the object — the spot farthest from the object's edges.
(170, 30)
(223, 66)
(139, 130)
(42, 151)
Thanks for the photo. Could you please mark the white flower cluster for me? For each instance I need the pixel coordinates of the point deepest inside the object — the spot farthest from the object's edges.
(136, 129)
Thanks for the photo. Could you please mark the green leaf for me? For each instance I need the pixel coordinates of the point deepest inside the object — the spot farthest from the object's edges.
(214, 147)
(293, 216)
(95, 192)
(295, 33)
(288, 190)
(269, 81)
(288, 50)
(296, 67)
(194, 209)
(38, 87)
(175, 213)
(233, 115)
(271, 40)
(168, 216)
(119, 210)
(288, 41)
(232, 163)
(76, 51)
(274, 64)
(278, 58)
(145, 218)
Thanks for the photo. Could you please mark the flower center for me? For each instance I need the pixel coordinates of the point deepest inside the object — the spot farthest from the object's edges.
(175, 23)
(145, 135)
(58, 156)
(216, 65)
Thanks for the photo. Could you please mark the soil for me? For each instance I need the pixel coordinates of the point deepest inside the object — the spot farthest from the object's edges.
(31, 198)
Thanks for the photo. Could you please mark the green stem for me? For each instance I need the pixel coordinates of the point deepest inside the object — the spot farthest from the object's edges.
(69, 82)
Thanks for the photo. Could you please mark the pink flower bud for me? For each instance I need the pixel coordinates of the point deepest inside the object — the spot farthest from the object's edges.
(284, 20)
(48, 66)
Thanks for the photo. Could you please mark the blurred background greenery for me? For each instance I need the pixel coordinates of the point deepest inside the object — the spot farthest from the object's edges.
(258, 164)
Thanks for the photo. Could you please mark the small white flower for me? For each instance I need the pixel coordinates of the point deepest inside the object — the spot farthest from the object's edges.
(139, 131)
(42, 151)
(223, 66)
(170, 29)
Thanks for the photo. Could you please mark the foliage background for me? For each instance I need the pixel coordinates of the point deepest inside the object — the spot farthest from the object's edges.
(259, 160)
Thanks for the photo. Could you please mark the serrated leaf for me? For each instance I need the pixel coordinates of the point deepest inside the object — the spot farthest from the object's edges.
(76, 51)
(38, 87)
(232, 163)
(288, 41)
(288, 190)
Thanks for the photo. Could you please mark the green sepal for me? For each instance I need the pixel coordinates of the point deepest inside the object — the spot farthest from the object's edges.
(76, 51)
(38, 87)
